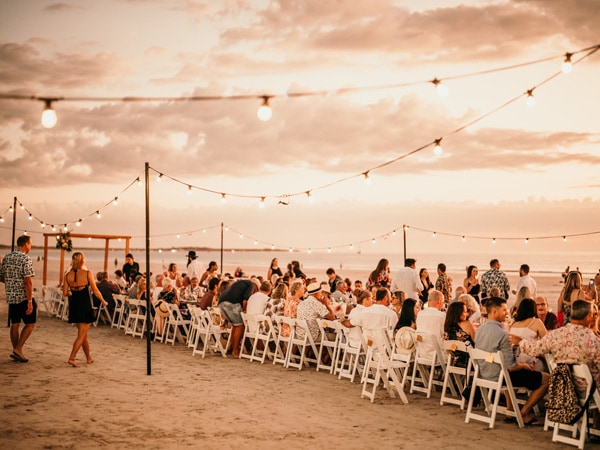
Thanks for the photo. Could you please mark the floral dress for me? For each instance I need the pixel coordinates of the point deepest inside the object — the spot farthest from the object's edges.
(456, 333)
(290, 309)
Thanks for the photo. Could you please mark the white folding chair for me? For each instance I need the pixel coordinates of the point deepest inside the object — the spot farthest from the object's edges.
(352, 352)
(302, 342)
(219, 332)
(456, 378)
(103, 314)
(331, 336)
(119, 312)
(45, 301)
(379, 367)
(135, 324)
(404, 349)
(250, 337)
(265, 337)
(428, 358)
(177, 327)
(491, 389)
(282, 343)
(577, 432)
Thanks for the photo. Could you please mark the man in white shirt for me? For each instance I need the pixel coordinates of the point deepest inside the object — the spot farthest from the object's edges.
(431, 320)
(376, 317)
(527, 281)
(258, 301)
(407, 280)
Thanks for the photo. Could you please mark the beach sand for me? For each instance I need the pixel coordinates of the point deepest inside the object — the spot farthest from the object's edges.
(211, 403)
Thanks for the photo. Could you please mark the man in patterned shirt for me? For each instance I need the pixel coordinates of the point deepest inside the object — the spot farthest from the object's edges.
(16, 272)
(575, 343)
(494, 278)
(312, 308)
(444, 283)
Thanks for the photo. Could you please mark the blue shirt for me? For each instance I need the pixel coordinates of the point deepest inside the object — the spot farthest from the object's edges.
(492, 337)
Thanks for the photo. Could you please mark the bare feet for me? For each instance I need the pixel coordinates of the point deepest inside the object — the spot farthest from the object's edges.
(72, 362)
(90, 360)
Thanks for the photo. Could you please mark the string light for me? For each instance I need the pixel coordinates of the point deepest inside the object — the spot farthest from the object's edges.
(309, 197)
(437, 149)
(564, 239)
(261, 205)
(65, 228)
(138, 181)
(567, 66)
(79, 222)
(493, 240)
(30, 217)
(434, 235)
(223, 199)
(527, 240)
(116, 201)
(463, 239)
(530, 98)
(48, 114)
(368, 180)
(178, 236)
(1, 219)
(264, 112)
(98, 215)
(241, 236)
(189, 190)
(159, 177)
(309, 251)
(329, 250)
(440, 87)
(373, 241)
(43, 225)
(53, 228)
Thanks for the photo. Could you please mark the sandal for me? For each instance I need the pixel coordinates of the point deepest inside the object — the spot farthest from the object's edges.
(532, 422)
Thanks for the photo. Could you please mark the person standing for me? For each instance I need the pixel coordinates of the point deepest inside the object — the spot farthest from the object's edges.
(407, 280)
(444, 283)
(494, 278)
(526, 280)
(129, 267)
(77, 288)
(16, 272)
(194, 266)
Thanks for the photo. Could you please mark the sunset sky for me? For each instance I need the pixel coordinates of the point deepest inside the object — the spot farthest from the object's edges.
(519, 172)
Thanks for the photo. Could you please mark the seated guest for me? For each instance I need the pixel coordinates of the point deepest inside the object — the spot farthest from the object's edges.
(523, 293)
(158, 287)
(120, 280)
(107, 288)
(206, 300)
(340, 294)
(173, 274)
(312, 308)
(492, 337)
(548, 318)
(290, 308)
(528, 326)
(378, 316)
(276, 303)
(185, 293)
(460, 290)
(209, 273)
(575, 343)
(136, 277)
(458, 328)
(169, 295)
(473, 309)
(365, 300)
(232, 302)
(408, 314)
(258, 300)
(431, 320)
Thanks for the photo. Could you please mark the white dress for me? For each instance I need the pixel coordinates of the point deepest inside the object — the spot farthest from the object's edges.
(530, 335)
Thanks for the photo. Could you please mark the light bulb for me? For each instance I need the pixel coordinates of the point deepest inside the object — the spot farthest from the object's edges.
(264, 112)
(526, 240)
(48, 115)
(53, 228)
(223, 199)
(98, 215)
(189, 190)
(329, 250)
(530, 98)
(30, 217)
(65, 228)
(43, 225)
(262, 203)
(368, 180)
(437, 150)
(440, 87)
(79, 222)
(138, 181)
(2, 220)
(116, 201)
(178, 236)
(159, 177)
(564, 239)
(373, 241)
(567, 66)
(309, 197)
(309, 251)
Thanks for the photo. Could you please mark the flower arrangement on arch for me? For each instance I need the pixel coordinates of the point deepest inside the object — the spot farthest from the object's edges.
(63, 241)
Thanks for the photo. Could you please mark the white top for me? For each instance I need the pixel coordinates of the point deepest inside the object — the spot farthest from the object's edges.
(526, 280)
(431, 321)
(375, 317)
(407, 280)
(256, 303)
(195, 269)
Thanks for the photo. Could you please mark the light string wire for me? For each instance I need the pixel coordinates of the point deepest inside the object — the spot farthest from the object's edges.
(351, 246)
(315, 93)
(365, 173)
(69, 223)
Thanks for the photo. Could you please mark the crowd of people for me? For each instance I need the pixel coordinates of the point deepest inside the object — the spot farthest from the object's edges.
(475, 312)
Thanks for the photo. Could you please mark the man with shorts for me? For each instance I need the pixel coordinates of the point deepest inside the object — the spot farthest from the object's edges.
(232, 302)
(16, 273)
(492, 337)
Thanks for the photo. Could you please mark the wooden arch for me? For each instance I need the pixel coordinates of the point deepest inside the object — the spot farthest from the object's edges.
(61, 272)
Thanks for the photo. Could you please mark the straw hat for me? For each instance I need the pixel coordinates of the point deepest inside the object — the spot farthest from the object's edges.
(161, 308)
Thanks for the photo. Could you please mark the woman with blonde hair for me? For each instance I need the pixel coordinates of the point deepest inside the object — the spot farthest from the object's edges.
(571, 291)
(77, 288)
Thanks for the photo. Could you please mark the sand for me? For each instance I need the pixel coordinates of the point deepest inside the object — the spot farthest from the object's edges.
(211, 403)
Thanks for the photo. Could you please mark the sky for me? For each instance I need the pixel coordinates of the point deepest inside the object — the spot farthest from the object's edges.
(506, 169)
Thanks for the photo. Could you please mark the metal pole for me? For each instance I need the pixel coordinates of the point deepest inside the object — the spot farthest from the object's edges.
(148, 298)
(12, 246)
(404, 234)
(221, 266)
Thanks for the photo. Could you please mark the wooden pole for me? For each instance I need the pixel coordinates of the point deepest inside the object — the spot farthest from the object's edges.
(106, 244)
(45, 276)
